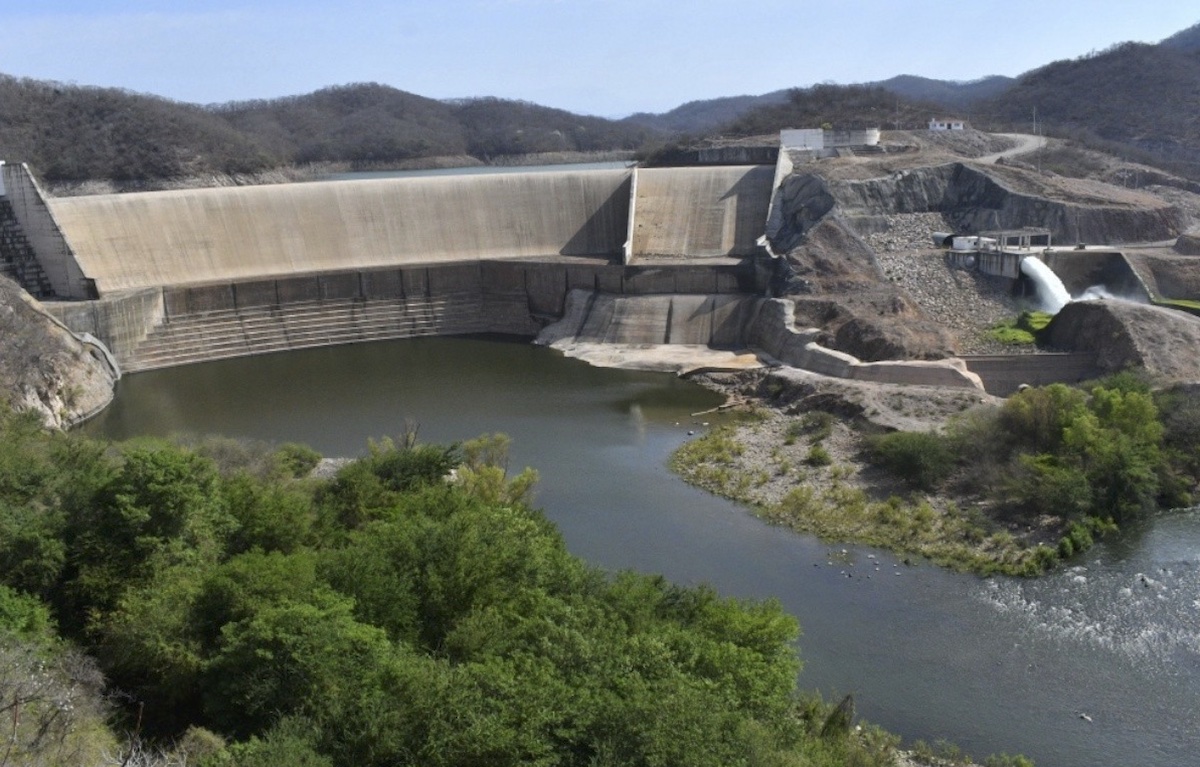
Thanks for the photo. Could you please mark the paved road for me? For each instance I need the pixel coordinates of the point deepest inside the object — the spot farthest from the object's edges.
(1026, 143)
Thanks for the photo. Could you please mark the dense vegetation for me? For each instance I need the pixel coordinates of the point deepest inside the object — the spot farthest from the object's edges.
(706, 115)
(68, 132)
(1093, 458)
(956, 97)
(245, 614)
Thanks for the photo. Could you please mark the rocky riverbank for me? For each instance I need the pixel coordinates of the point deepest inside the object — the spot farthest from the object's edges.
(44, 368)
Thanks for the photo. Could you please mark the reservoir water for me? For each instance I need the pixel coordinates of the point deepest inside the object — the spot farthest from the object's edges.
(990, 664)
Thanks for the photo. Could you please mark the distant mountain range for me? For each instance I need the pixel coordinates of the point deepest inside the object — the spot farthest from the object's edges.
(1133, 98)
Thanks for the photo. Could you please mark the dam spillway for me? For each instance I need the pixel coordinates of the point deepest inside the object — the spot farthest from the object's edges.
(700, 212)
(131, 241)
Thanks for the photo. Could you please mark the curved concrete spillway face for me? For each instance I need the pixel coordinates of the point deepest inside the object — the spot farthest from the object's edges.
(207, 235)
(701, 212)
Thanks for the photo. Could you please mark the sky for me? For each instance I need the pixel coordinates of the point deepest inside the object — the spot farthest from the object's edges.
(601, 57)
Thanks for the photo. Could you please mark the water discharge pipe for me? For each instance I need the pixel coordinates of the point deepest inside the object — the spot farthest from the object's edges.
(1052, 294)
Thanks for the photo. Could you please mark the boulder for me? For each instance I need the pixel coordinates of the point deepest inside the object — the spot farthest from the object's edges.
(1124, 334)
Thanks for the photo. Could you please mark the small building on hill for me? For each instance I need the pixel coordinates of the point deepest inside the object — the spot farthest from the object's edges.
(946, 123)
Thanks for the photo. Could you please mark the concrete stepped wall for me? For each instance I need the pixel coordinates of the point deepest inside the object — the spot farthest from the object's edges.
(193, 236)
(157, 327)
(259, 330)
(18, 260)
(41, 231)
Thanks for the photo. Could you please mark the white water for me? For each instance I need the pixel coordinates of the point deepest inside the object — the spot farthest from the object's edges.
(1052, 294)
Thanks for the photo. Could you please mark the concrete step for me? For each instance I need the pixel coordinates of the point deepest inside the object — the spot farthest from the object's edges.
(276, 315)
(171, 359)
(210, 323)
(256, 330)
(325, 323)
(291, 328)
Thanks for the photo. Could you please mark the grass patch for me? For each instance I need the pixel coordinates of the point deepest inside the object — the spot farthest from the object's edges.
(816, 425)
(710, 462)
(1182, 304)
(949, 538)
(1023, 330)
(818, 456)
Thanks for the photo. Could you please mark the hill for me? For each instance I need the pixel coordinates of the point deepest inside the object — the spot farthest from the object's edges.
(362, 123)
(498, 127)
(703, 116)
(1138, 97)
(71, 133)
(1187, 40)
(842, 106)
(952, 94)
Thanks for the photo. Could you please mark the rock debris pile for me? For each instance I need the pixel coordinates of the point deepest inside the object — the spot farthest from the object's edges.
(967, 302)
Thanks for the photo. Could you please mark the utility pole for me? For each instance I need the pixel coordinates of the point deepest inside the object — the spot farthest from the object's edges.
(1037, 136)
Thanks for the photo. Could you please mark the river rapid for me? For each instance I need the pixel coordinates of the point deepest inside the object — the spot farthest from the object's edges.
(1098, 664)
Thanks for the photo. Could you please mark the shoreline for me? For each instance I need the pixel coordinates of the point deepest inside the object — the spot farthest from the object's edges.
(797, 460)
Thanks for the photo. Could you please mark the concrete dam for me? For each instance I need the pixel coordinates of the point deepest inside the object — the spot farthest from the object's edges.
(632, 257)
(183, 276)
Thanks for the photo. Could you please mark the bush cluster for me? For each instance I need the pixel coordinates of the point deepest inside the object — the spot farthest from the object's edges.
(1094, 457)
(412, 609)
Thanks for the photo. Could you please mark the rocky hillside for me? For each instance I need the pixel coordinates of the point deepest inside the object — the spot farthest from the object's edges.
(1128, 335)
(860, 263)
(44, 368)
(1141, 97)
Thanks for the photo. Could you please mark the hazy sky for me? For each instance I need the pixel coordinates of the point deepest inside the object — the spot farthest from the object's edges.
(605, 57)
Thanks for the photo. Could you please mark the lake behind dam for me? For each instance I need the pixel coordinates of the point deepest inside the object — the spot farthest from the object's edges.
(993, 664)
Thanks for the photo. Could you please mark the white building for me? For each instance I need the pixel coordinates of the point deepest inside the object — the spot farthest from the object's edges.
(817, 139)
(943, 123)
(802, 138)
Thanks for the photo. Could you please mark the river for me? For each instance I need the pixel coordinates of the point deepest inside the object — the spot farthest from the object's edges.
(991, 664)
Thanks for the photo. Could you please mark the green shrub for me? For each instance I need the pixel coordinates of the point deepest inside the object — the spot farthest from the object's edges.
(1023, 330)
(923, 460)
(818, 456)
(296, 460)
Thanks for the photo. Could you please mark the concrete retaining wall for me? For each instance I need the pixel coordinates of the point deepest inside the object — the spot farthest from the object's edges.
(718, 321)
(512, 297)
(1004, 374)
(734, 322)
(41, 230)
(774, 331)
(121, 322)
